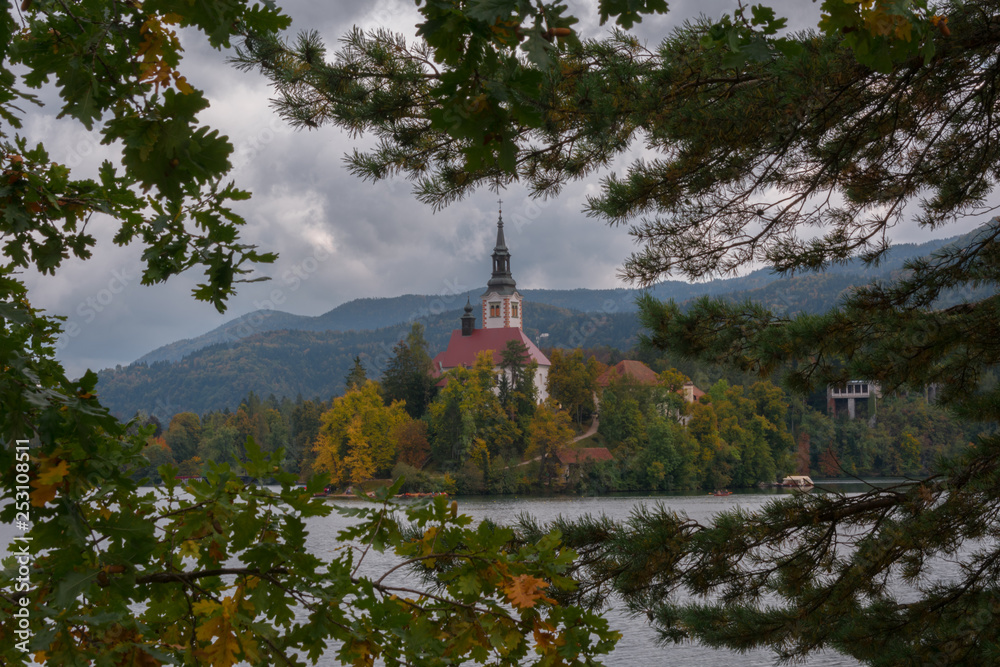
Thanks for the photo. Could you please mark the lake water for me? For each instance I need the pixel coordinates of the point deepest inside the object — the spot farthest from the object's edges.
(638, 646)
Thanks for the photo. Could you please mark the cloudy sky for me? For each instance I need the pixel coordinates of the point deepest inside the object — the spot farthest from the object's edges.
(339, 238)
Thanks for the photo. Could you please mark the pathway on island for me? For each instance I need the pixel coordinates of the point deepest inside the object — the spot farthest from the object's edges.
(590, 431)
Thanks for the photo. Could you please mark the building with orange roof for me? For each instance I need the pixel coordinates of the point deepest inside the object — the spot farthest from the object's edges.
(634, 370)
(583, 454)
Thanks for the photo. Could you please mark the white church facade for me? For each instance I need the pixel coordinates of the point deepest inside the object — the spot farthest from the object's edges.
(502, 315)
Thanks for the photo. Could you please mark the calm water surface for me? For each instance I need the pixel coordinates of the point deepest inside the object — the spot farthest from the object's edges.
(638, 646)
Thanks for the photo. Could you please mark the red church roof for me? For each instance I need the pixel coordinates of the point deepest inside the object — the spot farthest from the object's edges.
(636, 370)
(462, 350)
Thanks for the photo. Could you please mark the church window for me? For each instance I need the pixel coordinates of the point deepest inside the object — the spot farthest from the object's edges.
(513, 310)
(494, 310)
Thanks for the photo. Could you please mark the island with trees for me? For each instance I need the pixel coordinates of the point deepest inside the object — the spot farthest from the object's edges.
(480, 431)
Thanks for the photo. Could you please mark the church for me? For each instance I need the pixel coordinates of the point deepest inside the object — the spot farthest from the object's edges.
(502, 317)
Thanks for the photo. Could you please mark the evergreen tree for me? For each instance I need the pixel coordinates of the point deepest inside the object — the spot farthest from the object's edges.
(275, 426)
(143, 419)
(516, 380)
(623, 418)
(516, 385)
(416, 341)
(357, 377)
(222, 445)
(407, 377)
(467, 422)
(304, 426)
(663, 464)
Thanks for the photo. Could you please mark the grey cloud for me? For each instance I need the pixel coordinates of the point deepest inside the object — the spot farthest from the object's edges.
(381, 242)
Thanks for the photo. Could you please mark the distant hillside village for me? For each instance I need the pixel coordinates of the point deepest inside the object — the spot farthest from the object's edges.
(494, 413)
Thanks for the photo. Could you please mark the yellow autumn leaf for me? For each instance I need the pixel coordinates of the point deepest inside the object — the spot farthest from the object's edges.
(879, 22)
(524, 591)
(50, 473)
(226, 645)
(42, 495)
(249, 645)
(205, 607)
(189, 548)
(427, 546)
(363, 655)
(247, 605)
(223, 651)
(212, 628)
(182, 84)
(904, 30)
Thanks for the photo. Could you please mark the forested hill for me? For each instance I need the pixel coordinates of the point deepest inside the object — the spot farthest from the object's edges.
(371, 313)
(378, 313)
(315, 363)
(274, 352)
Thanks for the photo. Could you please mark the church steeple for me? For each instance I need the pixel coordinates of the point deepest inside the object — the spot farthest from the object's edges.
(501, 282)
(502, 320)
(501, 301)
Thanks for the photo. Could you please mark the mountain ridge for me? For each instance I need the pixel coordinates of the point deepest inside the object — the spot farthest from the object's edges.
(370, 313)
(284, 354)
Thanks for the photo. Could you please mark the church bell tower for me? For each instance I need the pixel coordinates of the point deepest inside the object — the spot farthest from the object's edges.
(501, 300)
